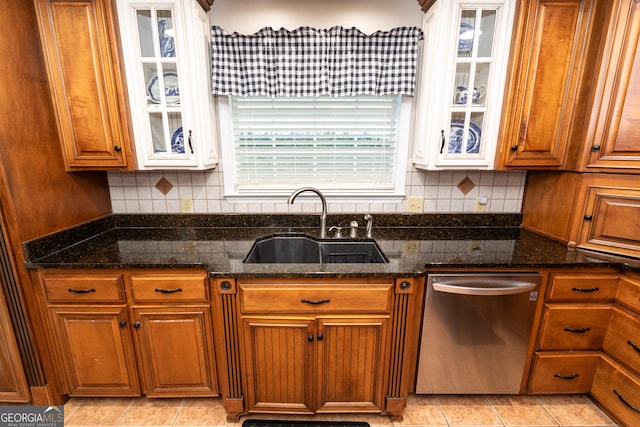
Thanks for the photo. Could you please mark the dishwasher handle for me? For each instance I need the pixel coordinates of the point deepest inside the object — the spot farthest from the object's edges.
(497, 287)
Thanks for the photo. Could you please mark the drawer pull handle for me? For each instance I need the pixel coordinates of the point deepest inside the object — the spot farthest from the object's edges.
(577, 331)
(617, 393)
(567, 377)
(308, 301)
(585, 289)
(168, 291)
(634, 346)
(81, 291)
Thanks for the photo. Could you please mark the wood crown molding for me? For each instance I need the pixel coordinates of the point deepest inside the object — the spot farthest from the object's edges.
(206, 4)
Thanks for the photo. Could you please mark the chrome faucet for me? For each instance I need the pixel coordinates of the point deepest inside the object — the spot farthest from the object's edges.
(323, 216)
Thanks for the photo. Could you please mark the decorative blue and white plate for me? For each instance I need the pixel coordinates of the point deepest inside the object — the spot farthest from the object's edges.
(177, 141)
(171, 88)
(465, 38)
(455, 137)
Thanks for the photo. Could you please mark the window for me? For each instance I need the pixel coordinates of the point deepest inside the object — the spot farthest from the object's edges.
(350, 146)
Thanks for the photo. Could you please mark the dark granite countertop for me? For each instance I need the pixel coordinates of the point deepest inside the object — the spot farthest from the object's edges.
(413, 244)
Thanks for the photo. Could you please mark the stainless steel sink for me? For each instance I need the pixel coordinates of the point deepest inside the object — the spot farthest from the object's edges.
(302, 249)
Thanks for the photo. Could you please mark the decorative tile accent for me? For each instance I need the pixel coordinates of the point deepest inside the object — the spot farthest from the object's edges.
(466, 185)
(164, 186)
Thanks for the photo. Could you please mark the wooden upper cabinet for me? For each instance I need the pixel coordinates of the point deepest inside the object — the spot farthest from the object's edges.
(613, 138)
(80, 51)
(555, 47)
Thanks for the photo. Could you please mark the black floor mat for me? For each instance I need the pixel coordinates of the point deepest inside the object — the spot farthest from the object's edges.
(271, 423)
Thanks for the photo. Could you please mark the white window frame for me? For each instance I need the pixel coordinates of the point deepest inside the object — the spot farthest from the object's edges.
(396, 194)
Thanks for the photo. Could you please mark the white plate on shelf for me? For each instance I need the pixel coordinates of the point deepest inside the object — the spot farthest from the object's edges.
(177, 141)
(455, 137)
(171, 88)
(465, 37)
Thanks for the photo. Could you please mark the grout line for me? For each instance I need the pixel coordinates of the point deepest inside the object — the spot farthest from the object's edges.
(495, 411)
(175, 417)
(125, 411)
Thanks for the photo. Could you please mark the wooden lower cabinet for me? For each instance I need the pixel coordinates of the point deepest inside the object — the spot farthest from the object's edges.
(574, 321)
(308, 345)
(131, 333)
(309, 364)
(97, 351)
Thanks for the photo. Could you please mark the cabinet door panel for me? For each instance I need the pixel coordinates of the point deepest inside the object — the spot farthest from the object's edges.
(547, 82)
(614, 223)
(351, 364)
(176, 348)
(97, 351)
(616, 137)
(79, 52)
(279, 355)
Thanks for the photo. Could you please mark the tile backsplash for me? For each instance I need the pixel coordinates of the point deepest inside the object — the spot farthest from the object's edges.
(203, 192)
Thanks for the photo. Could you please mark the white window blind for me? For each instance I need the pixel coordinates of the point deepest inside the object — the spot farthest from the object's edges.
(333, 143)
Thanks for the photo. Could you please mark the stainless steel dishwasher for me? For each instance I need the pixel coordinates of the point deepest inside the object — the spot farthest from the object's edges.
(476, 331)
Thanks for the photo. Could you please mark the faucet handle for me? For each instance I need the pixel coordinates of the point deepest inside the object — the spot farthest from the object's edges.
(369, 219)
(354, 229)
(338, 233)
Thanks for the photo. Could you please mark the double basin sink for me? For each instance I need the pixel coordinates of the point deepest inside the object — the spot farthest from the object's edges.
(304, 249)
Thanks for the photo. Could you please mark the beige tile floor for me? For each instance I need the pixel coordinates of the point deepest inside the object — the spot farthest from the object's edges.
(423, 411)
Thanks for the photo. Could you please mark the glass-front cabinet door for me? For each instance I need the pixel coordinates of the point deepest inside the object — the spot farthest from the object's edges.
(461, 85)
(165, 45)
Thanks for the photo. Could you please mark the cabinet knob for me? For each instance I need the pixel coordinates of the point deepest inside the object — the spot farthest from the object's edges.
(225, 285)
(320, 337)
(514, 148)
(117, 148)
(595, 148)
(123, 323)
(136, 325)
(310, 338)
(588, 217)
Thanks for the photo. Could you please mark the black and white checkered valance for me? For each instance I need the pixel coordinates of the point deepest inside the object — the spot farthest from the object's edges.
(310, 62)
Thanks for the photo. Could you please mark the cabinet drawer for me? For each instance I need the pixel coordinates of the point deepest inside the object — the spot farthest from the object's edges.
(623, 338)
(167, 287)
(83, 288)
(573, 327)
(618, 391)
(629, 291)
(583, 287)
(316, 298)
(554, 373)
